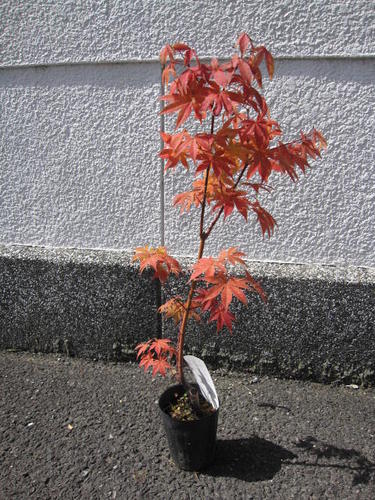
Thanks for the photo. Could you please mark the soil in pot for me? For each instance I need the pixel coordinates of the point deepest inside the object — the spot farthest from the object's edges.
(192, 438)
(183, 410)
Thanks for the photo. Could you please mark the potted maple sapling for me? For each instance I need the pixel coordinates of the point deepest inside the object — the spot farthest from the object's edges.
(231, 162)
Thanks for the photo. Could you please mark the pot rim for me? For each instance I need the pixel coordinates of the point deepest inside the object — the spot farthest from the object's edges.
(188, 422)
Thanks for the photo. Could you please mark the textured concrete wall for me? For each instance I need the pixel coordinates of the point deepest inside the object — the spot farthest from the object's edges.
(79, 137)
(78, 143)
(50, 31)
(79, 164)
(77, 302)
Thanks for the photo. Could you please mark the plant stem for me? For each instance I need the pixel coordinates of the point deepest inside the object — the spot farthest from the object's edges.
(202, 237)
(222, 209)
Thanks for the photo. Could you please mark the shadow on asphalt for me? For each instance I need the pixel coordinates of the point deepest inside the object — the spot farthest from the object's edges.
(350, 459)
(249, 459)
(256, 459)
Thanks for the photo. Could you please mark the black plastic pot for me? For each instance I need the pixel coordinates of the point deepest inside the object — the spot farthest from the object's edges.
(192, 444)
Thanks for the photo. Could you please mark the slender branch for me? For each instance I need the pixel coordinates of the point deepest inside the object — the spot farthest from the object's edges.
(202, 237)
(241, 175)
(207, 233)
(201, 233)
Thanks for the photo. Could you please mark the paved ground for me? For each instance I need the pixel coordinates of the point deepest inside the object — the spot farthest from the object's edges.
(71, 428)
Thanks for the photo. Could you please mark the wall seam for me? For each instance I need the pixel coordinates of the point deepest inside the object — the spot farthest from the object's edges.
(203, 58)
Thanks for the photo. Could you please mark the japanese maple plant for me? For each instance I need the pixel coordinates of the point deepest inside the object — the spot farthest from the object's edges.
(231, 162)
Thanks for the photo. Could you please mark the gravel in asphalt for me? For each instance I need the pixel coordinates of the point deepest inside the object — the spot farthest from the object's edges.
(70, 428)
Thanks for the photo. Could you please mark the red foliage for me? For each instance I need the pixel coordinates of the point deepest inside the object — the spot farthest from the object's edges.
(221, 287)
(159, 260)
(156, 354)
(232, 163)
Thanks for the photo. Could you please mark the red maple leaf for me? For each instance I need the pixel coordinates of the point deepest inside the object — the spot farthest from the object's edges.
(243, 42)
(233, 256)
(157, 354)
(142, 348)
(222, 317)
(159, 260)
(162, 346)
(207, 266)
(260, 54)
(147, 360)
(185, 100)
(226, 287)
(256, 286)
(228, 198)
(177, 148)
(218, 73)
(175, 308)
(160, 365)
(166, 53)
(265, 219)
(216, 99)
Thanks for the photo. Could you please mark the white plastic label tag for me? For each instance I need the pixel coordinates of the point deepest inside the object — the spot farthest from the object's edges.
(203, 379)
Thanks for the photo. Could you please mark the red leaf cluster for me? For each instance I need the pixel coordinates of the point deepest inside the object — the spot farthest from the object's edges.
(175, 308)
(159, 260)
(221, 287)
(245, 142)
(218, 288)
(156, 354)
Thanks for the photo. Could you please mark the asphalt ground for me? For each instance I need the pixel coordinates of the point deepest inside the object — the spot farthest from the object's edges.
(70, 428)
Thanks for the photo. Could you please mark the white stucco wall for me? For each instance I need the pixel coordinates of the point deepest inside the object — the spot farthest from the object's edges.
(74, 162)
(79, 129)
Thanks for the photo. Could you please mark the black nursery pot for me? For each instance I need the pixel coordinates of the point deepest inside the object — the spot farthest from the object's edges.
(192, 444)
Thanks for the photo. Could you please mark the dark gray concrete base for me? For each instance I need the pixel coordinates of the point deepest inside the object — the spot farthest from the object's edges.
(84, 303)
(318, 323)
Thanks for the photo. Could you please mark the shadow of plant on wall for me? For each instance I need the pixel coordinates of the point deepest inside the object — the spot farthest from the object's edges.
(249, 459)
(350, 459)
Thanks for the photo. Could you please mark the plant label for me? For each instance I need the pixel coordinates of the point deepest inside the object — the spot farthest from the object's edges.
(203, 379)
